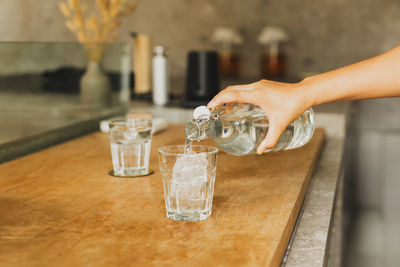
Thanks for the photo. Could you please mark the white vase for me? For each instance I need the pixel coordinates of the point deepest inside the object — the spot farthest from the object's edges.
(95, 86)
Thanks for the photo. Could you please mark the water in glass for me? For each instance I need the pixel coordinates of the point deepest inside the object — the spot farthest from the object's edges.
(189, 182)
(130, 149)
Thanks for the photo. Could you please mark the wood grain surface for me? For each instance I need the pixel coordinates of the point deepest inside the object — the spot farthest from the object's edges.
(59, 207)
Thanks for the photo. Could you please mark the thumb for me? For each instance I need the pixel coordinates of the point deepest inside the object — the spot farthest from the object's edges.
(273, 134)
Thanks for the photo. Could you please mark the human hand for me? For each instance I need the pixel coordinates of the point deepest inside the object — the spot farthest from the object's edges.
(281, 102)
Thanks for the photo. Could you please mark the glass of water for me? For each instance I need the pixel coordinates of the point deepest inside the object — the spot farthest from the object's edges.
(188, 180)
(130, 146)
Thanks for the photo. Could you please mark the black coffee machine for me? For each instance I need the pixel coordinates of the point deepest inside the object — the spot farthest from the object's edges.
(202, 78)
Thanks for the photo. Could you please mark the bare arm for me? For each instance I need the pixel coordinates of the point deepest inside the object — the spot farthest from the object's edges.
(376, 77)
(283, 102)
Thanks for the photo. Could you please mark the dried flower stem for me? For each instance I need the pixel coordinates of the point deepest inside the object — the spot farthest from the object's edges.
(96, 28)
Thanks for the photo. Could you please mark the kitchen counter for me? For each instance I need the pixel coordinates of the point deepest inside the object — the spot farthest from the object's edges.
(62, 201)
(316, 239)
(31, 121)
(317, 231)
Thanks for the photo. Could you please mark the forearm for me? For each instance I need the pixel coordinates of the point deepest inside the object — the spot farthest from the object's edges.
(372, 78)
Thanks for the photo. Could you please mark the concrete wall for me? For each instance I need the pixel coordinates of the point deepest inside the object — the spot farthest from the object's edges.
(377, 166)
(324, 34)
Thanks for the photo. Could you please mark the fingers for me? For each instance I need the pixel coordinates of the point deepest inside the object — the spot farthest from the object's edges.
(274, 132)
(231, 94)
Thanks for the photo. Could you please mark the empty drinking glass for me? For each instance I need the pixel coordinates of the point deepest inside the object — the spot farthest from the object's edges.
(188, 180)
(130, 146)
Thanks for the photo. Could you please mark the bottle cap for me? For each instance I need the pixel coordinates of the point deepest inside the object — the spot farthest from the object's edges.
(159, 50)
(201, 112)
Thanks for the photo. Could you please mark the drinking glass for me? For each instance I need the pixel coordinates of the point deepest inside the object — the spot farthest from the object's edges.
(130, 146)
(188, 180)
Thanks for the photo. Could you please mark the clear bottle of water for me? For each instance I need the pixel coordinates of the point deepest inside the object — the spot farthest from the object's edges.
(238, 129)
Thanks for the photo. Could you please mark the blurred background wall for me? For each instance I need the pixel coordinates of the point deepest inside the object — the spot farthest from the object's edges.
(324, 34)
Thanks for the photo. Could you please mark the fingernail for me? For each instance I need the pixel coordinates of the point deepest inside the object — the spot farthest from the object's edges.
(262, 147)
(211, 104)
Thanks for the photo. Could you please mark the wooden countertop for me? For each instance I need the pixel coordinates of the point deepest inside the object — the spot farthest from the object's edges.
(60, 207)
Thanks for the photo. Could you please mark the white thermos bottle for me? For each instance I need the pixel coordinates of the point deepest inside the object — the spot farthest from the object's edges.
(160, 76)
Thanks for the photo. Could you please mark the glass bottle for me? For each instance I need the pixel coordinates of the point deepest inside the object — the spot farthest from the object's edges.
(239, 129)
(229, 62)
(273, 62)
(228, 39)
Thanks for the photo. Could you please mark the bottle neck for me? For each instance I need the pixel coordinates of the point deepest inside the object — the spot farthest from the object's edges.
(201, 129)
